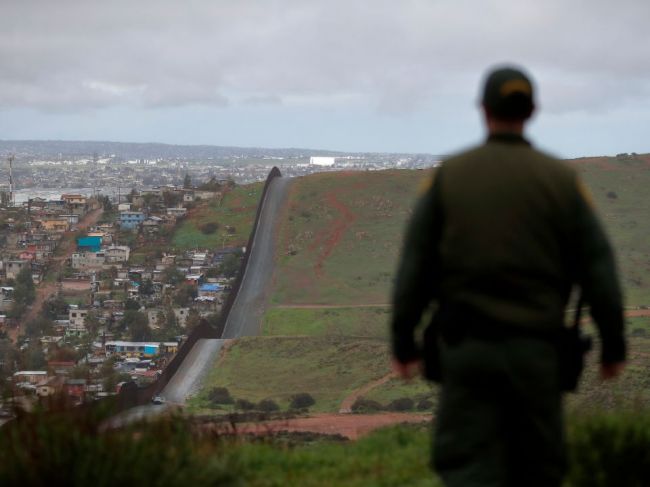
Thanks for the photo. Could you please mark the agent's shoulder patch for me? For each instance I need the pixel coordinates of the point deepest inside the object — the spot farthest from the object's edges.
(585, 193)
(426, 183)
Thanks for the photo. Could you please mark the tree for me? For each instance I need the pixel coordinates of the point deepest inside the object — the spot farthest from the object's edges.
(148, 200)
(193, 319)
(171, 275)
(64, 354)
(302, 400)
(105, 201)
(187, 182)
(170, 328)
(220, 395)
(24, 289)
(55, 308)
(230, 265)
(172, 198)
(38, 327)
(138, 325)
(184, 295)
(8, 358)
(131, 195)
(34, 358)
(131, 304)
(91, 322)
(146, 288)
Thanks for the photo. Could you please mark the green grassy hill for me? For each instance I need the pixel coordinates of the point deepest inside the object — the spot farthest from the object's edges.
(235, 211)
(338, 248)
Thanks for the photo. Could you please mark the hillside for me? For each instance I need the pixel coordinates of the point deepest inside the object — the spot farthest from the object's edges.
(233, 215)
(338, 248)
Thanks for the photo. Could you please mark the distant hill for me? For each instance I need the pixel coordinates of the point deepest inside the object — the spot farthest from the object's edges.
(136, 150)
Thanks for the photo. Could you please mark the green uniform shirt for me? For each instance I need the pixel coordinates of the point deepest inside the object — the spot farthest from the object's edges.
(506, 231)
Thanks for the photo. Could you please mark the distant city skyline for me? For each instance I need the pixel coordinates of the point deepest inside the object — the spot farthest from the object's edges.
(362, 76)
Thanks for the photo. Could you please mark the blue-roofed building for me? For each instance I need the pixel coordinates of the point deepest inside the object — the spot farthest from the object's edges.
(131, 219)
(210, 289)
(89, 244)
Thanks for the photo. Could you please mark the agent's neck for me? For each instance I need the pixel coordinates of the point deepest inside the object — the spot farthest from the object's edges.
(496, 126)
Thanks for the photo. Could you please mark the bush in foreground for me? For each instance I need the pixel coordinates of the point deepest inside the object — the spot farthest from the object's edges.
(48, 450)
(610, 449)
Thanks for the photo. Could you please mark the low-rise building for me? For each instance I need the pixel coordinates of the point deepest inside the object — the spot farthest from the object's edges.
(131, 219)
(117, 253)
(13, 267)
(29, 376)
(138, 349)
(176, 211)
(88, 260)
(77, 324)
(89, 244)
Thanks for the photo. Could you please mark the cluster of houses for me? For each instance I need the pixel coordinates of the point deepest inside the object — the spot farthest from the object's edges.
(32, 242)
(102, 278)
(140, 361)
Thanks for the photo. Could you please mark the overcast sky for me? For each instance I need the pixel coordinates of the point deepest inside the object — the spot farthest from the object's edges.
(368, 75)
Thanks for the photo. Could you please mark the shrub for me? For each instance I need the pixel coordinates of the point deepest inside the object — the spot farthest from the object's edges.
(244, 405)
(209, 228)
(302, 400)
(268, 406)
(425, 405)
(401, 404)
(362, 405)
(610, 449)
(68, 449)
(220, 395)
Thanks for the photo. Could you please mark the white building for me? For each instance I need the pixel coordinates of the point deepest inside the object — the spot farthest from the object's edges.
(322, 161)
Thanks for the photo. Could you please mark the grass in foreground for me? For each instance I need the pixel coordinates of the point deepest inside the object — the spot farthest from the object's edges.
(605, 449)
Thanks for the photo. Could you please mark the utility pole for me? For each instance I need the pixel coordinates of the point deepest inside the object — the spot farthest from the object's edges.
(11, 180)
(95, 157)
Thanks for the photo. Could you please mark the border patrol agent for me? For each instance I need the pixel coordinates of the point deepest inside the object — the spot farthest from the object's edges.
(497, 243)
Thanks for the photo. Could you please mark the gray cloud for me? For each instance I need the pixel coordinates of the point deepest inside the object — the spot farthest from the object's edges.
(394, 56)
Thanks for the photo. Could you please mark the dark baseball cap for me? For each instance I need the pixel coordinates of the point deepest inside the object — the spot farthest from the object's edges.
(508, 94)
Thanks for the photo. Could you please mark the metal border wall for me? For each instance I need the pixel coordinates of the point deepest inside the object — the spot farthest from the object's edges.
(131, 396)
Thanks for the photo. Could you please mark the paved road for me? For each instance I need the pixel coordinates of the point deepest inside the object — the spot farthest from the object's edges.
(246, 314)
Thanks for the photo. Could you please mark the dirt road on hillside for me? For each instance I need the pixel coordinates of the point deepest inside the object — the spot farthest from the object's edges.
(47, 288)
(346, 405)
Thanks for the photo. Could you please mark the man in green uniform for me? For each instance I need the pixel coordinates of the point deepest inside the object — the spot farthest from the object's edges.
(496, 244)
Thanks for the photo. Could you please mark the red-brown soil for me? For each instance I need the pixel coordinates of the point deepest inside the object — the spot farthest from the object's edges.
(346, 405)
(351, 426)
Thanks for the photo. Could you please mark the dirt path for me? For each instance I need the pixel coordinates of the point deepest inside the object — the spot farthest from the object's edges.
(328, 238)
(47, 288)
(351, 426)
(346, 405)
